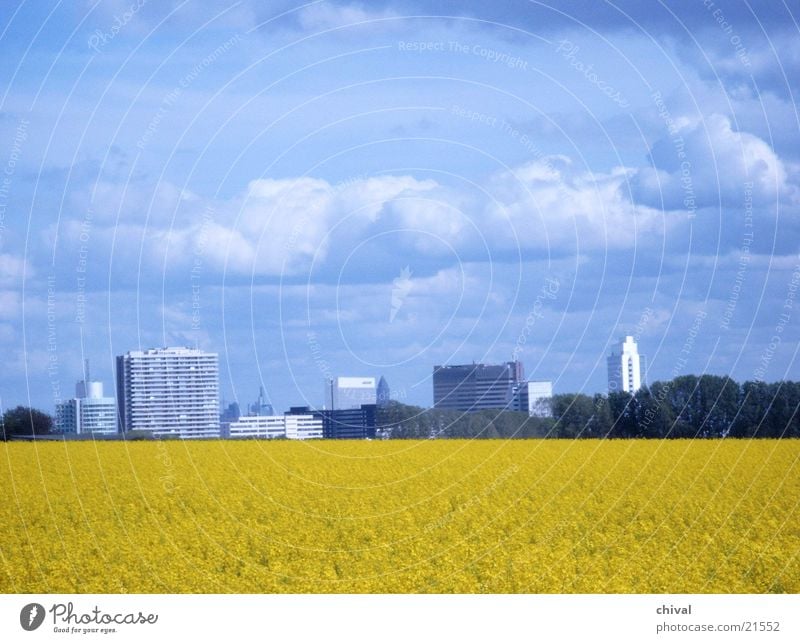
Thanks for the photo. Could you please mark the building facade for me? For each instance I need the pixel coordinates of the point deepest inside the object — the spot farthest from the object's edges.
(349, 392)
(350, 424)
(302, 424)
(472, 387)
(533, 398)
(169, 392)
(89, 412)
(625, 367)
(258, 426)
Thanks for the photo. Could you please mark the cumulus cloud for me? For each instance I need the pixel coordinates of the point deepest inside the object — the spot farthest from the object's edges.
(547, 203)
(281, 225)
(707, 163)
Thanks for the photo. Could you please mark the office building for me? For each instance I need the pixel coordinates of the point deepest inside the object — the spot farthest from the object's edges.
(349, 424)
(89, 412)
(303, 424)
(472, 387)
(625, 367)
(383, 393)
(169, 392)
(258, 426)
(349, 392)
(533, 398)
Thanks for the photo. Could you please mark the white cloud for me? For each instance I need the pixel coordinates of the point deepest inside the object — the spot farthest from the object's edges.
(547, 203)
(12, 269)
(711, 164)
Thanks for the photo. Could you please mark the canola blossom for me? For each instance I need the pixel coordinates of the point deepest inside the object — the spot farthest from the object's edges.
(525, 516)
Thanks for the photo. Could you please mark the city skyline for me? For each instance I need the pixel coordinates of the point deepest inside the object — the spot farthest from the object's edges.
(469, 182)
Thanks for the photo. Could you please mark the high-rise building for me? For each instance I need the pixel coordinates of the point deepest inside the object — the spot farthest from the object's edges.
(349, 392)
(533, 398)
(472, 387)
(625, 367)
(88, 412)
(383, 394)
(169, 392)
(261, 405)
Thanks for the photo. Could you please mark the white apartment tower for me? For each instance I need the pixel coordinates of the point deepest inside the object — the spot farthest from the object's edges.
(169, 392)
(625, 367)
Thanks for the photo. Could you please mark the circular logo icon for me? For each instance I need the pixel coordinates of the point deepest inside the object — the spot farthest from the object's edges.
(31, 616)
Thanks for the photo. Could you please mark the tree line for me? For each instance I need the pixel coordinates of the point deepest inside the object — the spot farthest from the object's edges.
(706, 406)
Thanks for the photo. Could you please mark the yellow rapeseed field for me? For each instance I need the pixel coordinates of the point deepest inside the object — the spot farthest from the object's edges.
(397, 516)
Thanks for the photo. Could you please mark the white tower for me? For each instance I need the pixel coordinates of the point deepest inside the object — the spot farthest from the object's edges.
(625, 367)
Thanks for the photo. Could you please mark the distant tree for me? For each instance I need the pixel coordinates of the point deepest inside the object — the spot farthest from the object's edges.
(600, 424)
(782, 416)
(25, 421)
(654, 414)
(623, 407)
(754, 403)
(573, 414)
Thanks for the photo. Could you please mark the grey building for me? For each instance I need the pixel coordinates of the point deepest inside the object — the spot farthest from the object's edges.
(472, 387)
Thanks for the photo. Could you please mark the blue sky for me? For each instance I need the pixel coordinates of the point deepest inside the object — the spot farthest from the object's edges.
(342, 188)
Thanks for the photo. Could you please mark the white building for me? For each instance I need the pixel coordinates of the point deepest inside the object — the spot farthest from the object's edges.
(533, 398)
(88, 412)
(303, 427)
(625, 367)
(259, 426)
(350, 392)
(169, 392)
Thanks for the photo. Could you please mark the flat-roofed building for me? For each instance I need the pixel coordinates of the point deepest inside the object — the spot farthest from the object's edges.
(349, 392)
(169, 392)
(472, 387)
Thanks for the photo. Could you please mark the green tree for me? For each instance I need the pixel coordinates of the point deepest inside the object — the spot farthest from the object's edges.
(25, 421)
